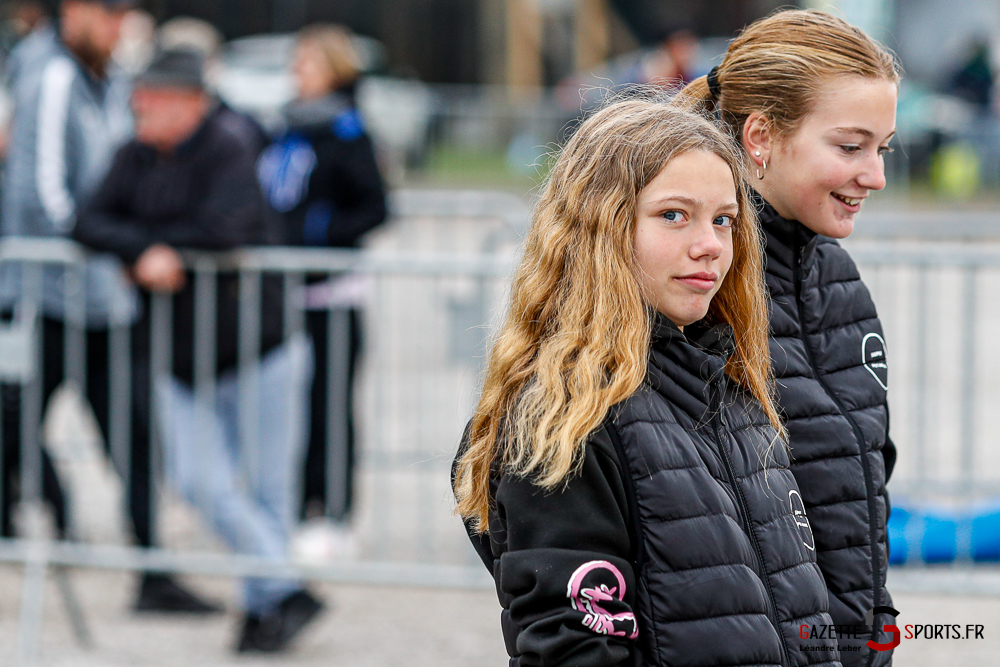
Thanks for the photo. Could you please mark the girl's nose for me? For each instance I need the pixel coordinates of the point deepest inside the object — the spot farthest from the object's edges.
(707, 243)
(873, 177)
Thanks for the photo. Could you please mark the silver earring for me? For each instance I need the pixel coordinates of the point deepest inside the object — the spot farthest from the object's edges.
(757, 153)
(760, 174)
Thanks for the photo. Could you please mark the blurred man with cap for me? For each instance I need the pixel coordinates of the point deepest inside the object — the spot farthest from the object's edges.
(187, 182)
(71, 113)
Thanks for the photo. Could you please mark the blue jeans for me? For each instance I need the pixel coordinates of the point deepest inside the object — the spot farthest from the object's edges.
(243, 477)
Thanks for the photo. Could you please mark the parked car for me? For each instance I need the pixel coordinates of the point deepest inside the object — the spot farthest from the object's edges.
(255, 76)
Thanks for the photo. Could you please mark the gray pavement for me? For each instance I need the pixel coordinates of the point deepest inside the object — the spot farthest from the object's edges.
(372, 626)
(365, 626)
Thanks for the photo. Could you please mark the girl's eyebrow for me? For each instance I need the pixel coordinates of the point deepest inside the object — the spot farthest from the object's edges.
(862, 131)
(689, 201)
(681, 199)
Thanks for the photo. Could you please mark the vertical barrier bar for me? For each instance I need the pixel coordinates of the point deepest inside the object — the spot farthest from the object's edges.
(204, 328)
(120, 403)
(205, 336)
(75, 360)
(967, 429)
(32, 606)
(299, 388)
(919, 396)
(33, 586)
(248, 389)
(424, 468)
(294, 306)
(31, 404)
(337, 393)
(161, 352)
(377, 454)
(74, 338)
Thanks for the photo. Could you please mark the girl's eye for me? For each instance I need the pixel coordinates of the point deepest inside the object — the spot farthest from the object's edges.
(882, 150)
(673, 216)
(724, 221)
(850, 149)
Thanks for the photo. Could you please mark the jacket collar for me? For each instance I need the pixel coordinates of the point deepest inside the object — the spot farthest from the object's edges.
(309, 114)
(683, 364)
(197, 138)
(98, 84)
(184, 150)
(715, 340)
(787, 242)
(791, 232)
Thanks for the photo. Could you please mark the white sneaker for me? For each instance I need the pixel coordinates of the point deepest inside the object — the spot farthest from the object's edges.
(321, 540)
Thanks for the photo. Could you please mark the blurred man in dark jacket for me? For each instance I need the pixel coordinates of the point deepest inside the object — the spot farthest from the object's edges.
(186, 182)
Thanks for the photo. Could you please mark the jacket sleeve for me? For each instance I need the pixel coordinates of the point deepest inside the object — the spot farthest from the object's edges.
(361, 205)
(566, 572)
(52, 152)
(889, 450)
(889, 458)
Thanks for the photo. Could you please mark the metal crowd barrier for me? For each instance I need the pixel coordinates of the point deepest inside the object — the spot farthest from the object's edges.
(427, 316)
(937, 305)
(424, 309)
(421, 373)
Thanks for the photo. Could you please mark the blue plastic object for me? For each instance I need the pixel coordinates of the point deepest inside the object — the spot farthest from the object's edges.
(942, 535)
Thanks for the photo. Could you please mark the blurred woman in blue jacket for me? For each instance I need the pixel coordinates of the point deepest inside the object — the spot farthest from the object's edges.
(322, 177)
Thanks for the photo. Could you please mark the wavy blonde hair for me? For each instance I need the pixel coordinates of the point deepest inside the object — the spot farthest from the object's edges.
(779, 65)
(577, 334)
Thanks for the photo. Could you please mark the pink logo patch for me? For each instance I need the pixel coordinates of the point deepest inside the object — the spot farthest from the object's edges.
(588, 590)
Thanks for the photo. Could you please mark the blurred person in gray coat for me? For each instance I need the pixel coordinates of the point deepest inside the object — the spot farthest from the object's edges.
(71, 112)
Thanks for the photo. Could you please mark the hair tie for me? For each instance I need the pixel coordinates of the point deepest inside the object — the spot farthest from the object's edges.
(714, 87)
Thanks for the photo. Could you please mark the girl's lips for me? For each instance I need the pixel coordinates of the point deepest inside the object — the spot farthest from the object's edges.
(699, 281)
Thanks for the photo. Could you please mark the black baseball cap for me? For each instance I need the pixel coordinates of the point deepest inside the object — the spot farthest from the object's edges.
(174, 68)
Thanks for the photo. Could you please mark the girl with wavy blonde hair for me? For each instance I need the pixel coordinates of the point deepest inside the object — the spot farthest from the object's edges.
(629, 380)
(576, 337)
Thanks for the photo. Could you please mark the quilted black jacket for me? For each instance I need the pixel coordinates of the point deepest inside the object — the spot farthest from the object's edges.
(682, 542)
(829, 359)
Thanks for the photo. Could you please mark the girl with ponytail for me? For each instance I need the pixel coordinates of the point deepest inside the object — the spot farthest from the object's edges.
(812, 100)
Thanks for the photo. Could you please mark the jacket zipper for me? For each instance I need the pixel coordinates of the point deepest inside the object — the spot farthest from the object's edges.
(865, 463)
(716, 408)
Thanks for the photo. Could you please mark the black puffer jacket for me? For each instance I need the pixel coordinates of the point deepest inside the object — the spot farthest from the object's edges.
(829, 360)
(682, 541)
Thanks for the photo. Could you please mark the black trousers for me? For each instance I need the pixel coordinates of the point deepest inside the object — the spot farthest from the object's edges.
(339, 501)
(97, 393)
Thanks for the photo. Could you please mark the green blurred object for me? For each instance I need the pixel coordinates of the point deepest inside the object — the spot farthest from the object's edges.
(956, 171)
(456, 166)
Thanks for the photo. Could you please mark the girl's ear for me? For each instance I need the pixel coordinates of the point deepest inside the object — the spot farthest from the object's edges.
(757, 138)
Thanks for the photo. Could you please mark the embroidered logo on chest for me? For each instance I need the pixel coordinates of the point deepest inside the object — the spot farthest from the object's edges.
(873, 357)
(801, 520)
